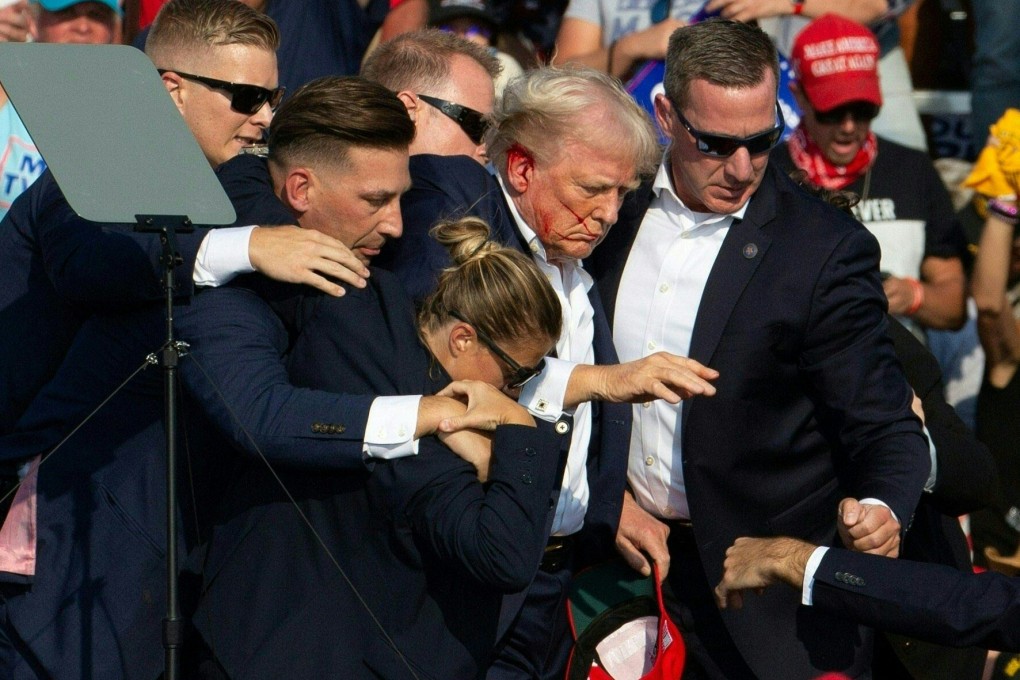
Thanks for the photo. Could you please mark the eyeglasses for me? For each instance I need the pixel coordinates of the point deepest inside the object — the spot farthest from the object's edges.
(246, 99)
(473, 123)
(723, 146)
(520, 375)
(861, 112)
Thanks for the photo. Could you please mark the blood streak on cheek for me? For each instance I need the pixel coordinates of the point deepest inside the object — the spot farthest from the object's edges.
(580, 220)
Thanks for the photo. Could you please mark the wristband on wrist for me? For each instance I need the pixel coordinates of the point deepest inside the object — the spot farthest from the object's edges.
(1004, 211)
(918, 300)
(798, 7)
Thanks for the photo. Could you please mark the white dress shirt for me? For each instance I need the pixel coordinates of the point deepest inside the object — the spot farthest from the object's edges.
(656, 305)
(544, 395)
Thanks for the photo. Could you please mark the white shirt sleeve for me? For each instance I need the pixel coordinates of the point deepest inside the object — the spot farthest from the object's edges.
(222, 256)
(810, 568)
(544, 395)
(933, 475)
(389, 432)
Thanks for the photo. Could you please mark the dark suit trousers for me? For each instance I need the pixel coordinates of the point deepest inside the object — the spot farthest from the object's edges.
(711, 654)
(540, 639)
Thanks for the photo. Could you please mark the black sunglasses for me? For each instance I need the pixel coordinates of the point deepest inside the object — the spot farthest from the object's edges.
(246, 99)
(520, 375)
(473, 123)
(861, 112)
(722, 146)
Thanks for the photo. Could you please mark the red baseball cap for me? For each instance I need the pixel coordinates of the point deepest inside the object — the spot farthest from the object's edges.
(836, 61)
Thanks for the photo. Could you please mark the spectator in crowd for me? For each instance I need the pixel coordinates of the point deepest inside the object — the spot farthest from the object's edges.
(53, 21)
(567, 145)
(474, 20)
(995, 74)
(446, 83)
(14, 21)
(616, 36)
(784, 20)
(928, 601)
(994, 286)
(92, 22)
(903, 202)
(810, 431)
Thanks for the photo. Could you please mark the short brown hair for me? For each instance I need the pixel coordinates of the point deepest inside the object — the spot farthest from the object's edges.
(729, 54)
(498, 289)
(329, 115)
(187, 26)
(420, 61)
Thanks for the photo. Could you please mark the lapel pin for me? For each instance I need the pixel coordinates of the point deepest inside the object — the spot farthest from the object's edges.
(750, 250)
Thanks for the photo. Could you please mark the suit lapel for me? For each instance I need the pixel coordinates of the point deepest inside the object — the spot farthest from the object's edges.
(743, 249)
(607, 262)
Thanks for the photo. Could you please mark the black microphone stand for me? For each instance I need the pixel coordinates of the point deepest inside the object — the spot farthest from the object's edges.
(168, 226)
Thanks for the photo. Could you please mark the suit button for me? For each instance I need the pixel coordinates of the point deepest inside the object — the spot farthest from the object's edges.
(530, 452)
(526, 478)
(317, 427)
(562, 427)
(649, 461)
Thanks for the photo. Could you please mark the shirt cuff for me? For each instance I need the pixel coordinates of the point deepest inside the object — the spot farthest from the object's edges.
(544, 396)
(222, 255)
(933, 475)
(875, 501)
(389, 432)
(809, 575)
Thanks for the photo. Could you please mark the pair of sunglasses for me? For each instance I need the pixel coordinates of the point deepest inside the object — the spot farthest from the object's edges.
(246, 99)
(861, 112)
(520, 375)
(723, 146)
(473, 123)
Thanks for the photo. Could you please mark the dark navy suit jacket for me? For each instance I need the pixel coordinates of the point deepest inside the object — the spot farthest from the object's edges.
(928, 601)
(95, 604)
(811, 405)
(55, 270)
(428, 548)
(445, 187)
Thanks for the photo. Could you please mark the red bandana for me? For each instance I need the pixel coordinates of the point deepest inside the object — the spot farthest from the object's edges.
(821, 171)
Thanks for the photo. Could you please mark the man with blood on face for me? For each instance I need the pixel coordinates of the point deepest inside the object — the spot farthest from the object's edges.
(567, 145)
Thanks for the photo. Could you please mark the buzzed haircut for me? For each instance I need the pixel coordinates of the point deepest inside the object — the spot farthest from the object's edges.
(328, 116)
(729, 54)
(420, 61)
(187, 26)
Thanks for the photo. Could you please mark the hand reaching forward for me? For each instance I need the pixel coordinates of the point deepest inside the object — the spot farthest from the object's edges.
(756, 563)
(868, 528)
(658, 376)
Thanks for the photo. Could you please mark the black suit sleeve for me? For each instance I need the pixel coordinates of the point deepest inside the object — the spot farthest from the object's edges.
(928, 601)
(966, 474)
(494, 533)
